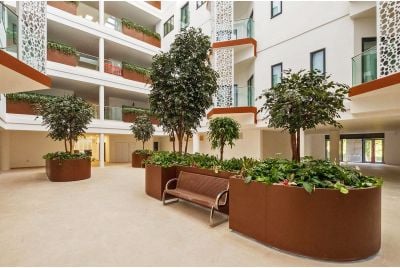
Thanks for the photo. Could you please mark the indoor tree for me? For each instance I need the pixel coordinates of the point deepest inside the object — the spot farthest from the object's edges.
(142, 129)
(223, 131)
(303, 100)
(67, 119)
(183, 83)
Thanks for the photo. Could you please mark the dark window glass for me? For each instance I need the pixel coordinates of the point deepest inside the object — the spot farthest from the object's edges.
(276, 74)
(318, 60)
(276, 8)
(168, 25)
(185, 16)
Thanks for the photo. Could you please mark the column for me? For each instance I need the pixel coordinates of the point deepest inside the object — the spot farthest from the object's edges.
(4, 150)
(334, 146)
(101, 149)
(101, 54)
(101, 12)
(101, 102)
(196, 143)
(3, 106)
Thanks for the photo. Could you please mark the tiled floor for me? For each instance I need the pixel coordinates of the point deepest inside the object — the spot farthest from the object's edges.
(109, 221)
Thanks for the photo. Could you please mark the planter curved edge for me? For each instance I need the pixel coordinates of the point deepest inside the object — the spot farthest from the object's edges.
(138, 158)
(323, 225)
(68, 170)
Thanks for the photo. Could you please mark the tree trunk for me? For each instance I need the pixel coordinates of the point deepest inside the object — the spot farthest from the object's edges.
(70, 146)
(221, 153)
(298, 145)
(187, 141)
(172, 136)
(180, 144)
(65, 145)
(293, 146)
(143, 145)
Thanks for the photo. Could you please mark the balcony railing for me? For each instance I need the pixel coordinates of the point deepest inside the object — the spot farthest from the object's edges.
(88, 61)
(243, 96)
(8, 30)
(113, 67)
(243, 29)
(364, 66)
(110, 113)
(112, 22)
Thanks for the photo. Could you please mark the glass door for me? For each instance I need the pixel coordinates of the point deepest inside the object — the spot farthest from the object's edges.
(373, 150)
(250, 91)
(368, 59)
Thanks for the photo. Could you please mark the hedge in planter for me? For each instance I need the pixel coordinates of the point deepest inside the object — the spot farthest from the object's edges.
(67, 6)
(25, 103)
(67, 119)
(129, 114)
(62, 53)
(135, 72)
(140, 32)
(314, 208)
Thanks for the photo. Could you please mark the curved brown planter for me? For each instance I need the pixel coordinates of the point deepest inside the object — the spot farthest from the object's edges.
(156, 179)
(68, 170)
(64, 5)
(141, 36)
(131, 117)
(20, 107)
(57, 56)
(138, 158)
(324, 224)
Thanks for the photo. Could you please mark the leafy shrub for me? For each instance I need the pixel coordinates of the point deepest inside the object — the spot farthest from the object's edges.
(65, 156)
(66, 49)
(143, 152)
(136, 68)
(32, 98)
(131, 25)
(310, 174)
(134, 110)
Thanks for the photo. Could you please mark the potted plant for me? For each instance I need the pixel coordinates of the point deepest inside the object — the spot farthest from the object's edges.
(313, 208)
(223, 131)
(67, 6)
(24, 103)
(134, 72)
(67, 119)
(143, 130)
(139, 32)
(62, 53)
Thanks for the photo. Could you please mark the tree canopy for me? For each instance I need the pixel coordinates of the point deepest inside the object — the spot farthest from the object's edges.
(303, 100)
(142, 129)
(183, 83)
(223, 131)
(67, 118)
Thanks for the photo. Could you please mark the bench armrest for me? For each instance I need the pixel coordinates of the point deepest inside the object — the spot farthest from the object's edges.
(169, 182)
(219, 196)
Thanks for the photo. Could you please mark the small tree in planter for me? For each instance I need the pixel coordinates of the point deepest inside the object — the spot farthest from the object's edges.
(223, 131)
(303, 100)
(67, 119)
(183, 83)
(142, 129)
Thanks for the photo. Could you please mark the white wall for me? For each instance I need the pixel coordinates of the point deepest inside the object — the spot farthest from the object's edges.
(118, 102)
(276, 144)
(314, 145)
(392, 147)
(363, 27)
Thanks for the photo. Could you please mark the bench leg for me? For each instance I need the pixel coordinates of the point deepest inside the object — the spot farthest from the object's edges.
(212, 223)
(170, 201)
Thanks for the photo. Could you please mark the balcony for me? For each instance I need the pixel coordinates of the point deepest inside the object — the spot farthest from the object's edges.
(8, 30)
(243, 29)
(364, 67)
(125, 114)
(243, 96)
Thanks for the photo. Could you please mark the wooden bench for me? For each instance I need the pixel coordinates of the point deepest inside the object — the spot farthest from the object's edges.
(207, 191)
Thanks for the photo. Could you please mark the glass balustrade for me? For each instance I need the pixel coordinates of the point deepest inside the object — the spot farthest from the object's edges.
(113, 67)
(88, 61)
(87, 12)
(243, 29)
(112, 22)
(364, 66)
(8, 30)
(243, 96)
(110, 113)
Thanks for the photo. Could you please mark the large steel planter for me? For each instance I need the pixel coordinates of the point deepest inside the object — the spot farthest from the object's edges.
(68, 170)
(60, 57)
(20, 107)
(67, 6)
(156, 179)
(138, 158)
(325, 224)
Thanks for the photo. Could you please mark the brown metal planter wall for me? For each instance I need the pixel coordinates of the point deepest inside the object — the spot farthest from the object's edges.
(132, 75)
(141, 36)
(19, 107)
(156, 179)
(57, 56)
(325, 224)
(64, 5)
(137, 160)
(156, 4)
(68, 170)
(131, 117)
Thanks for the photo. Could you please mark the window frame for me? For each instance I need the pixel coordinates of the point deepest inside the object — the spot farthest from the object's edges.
(324, 59)
(201, 3)
(272, 12)
(173, 25)
(272, 72)
(186, 5)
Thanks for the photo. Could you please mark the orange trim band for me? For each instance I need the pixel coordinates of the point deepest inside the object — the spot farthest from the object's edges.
(18, 66)
(234, 110)
(386, 81)
(238, 42)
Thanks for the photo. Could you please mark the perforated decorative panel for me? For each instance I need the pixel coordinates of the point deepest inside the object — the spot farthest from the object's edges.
(388, 37)
(33, 33)
(223, 64)
(223, 20)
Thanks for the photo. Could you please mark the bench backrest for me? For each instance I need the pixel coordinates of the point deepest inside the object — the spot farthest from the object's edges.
(201, 184)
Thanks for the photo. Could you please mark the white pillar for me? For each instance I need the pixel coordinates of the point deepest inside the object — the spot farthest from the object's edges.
(101, 54)
(101, 149)
(101, 12)
(4, 150)
(196, 142)
(3, 106)
(101, 102)
(302, 143)
(334, 146)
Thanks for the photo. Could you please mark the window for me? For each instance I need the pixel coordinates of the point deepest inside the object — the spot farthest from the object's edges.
(199, 4)
(317, 59)
(368, 59)
(168, 25)
(185, 16)
(276, 8)
(276, 74)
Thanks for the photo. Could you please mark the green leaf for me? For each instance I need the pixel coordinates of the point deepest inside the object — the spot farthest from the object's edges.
(308, 187)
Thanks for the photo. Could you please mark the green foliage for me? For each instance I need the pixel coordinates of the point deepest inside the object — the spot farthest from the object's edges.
(310, 174)
(134, 110)
(32, 98)
(65, 156)
(303, 100)
(66, 49)
(131, 25)
(67, 118)
(223, 131)
(143, 152)
(183, 83)
(142, 129)
(135, 68)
